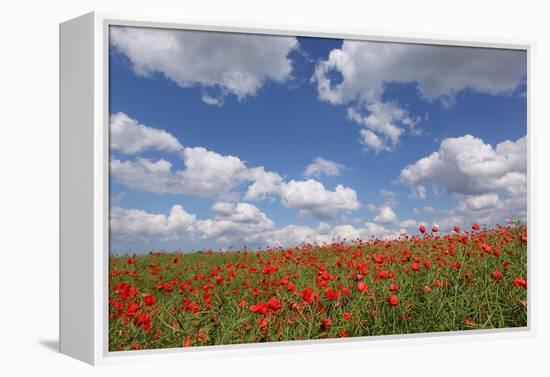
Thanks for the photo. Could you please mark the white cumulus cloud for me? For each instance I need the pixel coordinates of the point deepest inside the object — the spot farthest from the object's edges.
(483, 201)
(233, 223)
(408, 224)
(466, 165)
(127, 225)
(312, 198)
(129, 136)
(385, 215)
(385, 120)
(490, 182)
(225, 63)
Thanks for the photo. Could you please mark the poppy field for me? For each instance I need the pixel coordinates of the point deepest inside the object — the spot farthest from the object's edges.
(427, 282)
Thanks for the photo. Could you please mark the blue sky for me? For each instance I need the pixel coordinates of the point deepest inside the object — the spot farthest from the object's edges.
(258, 101)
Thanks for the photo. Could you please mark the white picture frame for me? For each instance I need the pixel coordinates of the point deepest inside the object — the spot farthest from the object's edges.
(84, 189)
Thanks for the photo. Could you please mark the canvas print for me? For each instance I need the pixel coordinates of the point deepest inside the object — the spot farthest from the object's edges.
(279, 188)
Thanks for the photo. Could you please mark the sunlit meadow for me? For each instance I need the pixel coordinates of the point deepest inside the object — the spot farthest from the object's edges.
(419, 283)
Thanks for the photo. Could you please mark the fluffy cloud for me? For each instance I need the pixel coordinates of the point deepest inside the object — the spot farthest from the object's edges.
(233, 223)
(320, 166)
(242, 213)
(209, 173)
(227, 63)
(313, 199)
(266, 183)
(480, 202)
(146, 175)
(439, 72)
(466, 165)
(379, 231)
(385, 215)
(490, 182)
(384, 124)
(372, 142)
(408, 224)
(129, 136)
(127, 225)
(206, 173)
(484, 209)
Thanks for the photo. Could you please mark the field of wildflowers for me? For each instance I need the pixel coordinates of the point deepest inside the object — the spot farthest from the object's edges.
(429, 282)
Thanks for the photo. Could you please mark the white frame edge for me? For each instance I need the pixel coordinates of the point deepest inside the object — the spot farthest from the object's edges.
(84, 166)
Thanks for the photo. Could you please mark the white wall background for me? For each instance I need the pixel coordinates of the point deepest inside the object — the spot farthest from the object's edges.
(29, 188)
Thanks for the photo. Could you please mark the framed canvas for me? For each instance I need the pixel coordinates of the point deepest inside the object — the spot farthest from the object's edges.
(249, 189)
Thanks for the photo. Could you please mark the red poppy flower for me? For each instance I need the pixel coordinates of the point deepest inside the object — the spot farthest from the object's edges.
(361, 286)
(434, 229)
(496, 274)
(393, 287)
(187, 342)
(308, 294)
(148, 299)
(259, 308)
(393, 300)
(144, 319)
(274, 304)
(415, 267)
(331, 294)
(475, 227)
(456, 229)
(131, 309)
(520, 282)
(422, 228)
(347, 316)
(325, 324)
(382, 274)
